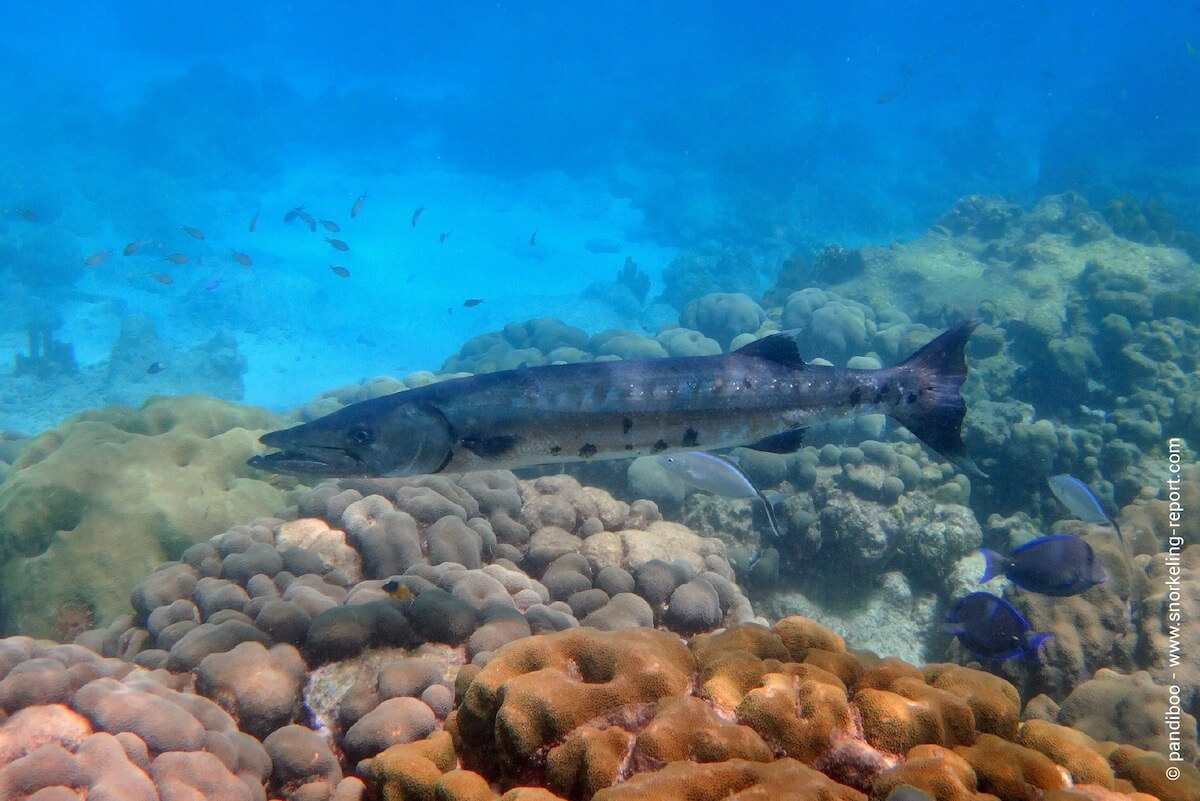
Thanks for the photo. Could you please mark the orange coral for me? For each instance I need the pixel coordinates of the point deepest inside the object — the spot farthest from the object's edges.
(748, 713)
(994, 701)
(1071, 749)
(1012, 772)
(733, 780)
(537, 690)
(943, 774)
(912, 714)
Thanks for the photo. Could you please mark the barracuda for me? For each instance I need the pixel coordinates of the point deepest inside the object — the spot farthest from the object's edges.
(761, 396)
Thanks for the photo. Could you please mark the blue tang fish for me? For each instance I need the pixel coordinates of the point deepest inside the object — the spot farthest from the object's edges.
(990, 628)
(1057, 564)
(1080, 501)
(717, 475)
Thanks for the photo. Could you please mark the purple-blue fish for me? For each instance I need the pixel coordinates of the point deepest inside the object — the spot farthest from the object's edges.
(991, 628)
(1057, 564)
(212, 283)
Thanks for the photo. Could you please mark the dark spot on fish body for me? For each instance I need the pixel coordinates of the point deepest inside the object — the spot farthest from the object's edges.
(881, 393)
(659, 446)
(626, 425)
(555, 450)
(490, 447)
(856, 396)
(910, 398)
(690, 438)
(628, 447)
(587, 451)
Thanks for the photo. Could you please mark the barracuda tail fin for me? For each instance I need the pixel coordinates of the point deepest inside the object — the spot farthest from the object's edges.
(937, 415)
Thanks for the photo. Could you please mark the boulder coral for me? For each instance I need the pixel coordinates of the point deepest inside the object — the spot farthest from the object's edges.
(466, 564)
(723, 316)
(746, 712)
(173, 472)
(115, 731)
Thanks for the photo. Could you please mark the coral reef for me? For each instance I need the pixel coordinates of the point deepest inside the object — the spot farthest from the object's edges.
(872, 533)
(712, 268)
(112, 730)
(92, 505)
(784, 710)
(482, 561)
(47, 357)
(214, 367)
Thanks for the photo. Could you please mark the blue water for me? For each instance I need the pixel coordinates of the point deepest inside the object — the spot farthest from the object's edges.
(651, 128)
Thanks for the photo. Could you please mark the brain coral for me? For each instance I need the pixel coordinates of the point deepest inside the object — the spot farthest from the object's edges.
(748, 712)
(92, 505)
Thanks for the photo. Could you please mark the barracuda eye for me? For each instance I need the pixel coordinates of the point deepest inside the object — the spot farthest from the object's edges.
(361, 435)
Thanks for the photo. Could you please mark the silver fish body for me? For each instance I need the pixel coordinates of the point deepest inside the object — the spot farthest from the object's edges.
(1080, 500)
(762, 395)
(708, 473)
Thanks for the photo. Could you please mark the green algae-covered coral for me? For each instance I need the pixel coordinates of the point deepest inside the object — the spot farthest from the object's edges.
(91, 506)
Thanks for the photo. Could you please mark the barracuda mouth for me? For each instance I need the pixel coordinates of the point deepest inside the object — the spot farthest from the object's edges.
(305, 460)
(308, 462)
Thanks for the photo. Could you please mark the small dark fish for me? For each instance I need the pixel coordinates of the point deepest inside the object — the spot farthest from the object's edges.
(885, 98)
(162, 278)
(1080, 500)
(211, 284)
(990, 628)
(356, 209)
(1058, 565)
(242, 258)
(533, 238)
(131, 248)
(417, 215)
(194, 233)
(337, 244)
(28, 215)
(155, 367)
(179, 259)
(394, 588)
(330, 225)
(254, 222)
(442, 237)
(471, 302)
(97, 258)
(291, 215)
(340, 270)
(308, 219)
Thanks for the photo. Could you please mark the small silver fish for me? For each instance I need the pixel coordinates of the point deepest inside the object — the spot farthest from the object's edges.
(717, 475)
(1080, 501)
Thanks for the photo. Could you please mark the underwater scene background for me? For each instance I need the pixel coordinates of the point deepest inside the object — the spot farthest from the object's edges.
(223, 219)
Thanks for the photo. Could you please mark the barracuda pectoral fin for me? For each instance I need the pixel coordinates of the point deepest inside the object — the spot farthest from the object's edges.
(785, 442)
(490, 447)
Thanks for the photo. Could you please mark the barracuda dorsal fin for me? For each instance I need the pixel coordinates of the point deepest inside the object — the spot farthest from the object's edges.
(780, 348)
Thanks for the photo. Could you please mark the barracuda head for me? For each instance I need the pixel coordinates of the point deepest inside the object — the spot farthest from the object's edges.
(373, 438)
